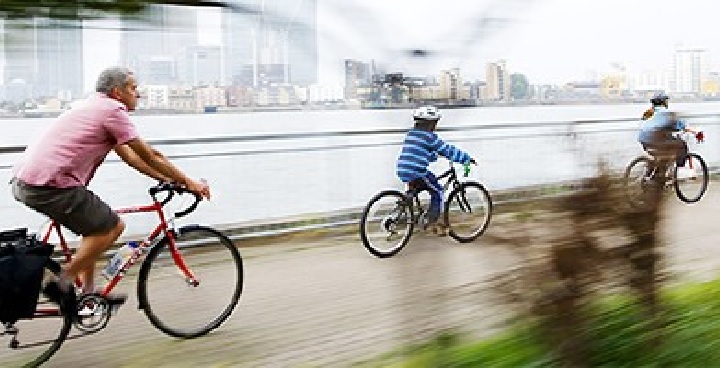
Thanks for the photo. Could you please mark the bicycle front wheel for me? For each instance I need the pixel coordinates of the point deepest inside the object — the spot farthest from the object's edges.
(468, 211)
(188, 307)
(387, 223)
(691, 181)
(33, 341)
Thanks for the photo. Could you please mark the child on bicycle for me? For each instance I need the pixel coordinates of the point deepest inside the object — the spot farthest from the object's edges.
(657, 131)
(420, 147)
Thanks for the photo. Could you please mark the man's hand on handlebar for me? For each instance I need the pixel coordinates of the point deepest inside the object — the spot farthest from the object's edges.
(200, 188)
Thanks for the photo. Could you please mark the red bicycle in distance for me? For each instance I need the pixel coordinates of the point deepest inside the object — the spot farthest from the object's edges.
(190, 281)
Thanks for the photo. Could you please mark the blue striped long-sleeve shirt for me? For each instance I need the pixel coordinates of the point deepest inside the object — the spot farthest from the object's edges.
(419, 149)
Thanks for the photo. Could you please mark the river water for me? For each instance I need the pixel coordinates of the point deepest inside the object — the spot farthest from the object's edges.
(266, 165)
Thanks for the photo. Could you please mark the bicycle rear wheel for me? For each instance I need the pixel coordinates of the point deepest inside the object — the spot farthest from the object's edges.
(640, 182)
(691, 181)
(387, 223)
(33, 341)
(179, 306)
(468, 211)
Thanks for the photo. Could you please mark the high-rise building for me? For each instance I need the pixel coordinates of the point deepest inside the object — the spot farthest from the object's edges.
(691, 67)
(276, 32)
(43, 58)
(60, 60)
(237, 45)
(451, 85)
(200, 66)
(649, 80)
(148, 44)
(357, 74)
(497, 87)
(301, 47)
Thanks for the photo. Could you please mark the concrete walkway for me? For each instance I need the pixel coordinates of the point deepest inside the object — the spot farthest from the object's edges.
(322, 300)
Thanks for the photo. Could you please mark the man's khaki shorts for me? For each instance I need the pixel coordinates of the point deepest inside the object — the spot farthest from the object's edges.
(77, 208)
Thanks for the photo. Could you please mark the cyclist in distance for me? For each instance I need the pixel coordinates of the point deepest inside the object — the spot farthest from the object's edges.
(54, 171)
(420, 147)
(656, 131)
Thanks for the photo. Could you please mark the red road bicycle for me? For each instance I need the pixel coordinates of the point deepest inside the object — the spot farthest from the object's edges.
(189, 283)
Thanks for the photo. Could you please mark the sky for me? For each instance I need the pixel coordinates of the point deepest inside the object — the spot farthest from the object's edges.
(550, 41)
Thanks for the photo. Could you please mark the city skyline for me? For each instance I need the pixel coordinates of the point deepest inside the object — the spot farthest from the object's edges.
(534, 40)
(550, 41)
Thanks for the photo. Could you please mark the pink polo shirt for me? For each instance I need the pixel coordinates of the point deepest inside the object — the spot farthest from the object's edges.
(68, 153)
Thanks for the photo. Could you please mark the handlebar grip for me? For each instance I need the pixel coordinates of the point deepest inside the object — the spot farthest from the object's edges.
(171, 189)
(192, 207)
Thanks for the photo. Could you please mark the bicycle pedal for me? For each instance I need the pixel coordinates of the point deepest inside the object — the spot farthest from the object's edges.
(114, 308)
(115, 301)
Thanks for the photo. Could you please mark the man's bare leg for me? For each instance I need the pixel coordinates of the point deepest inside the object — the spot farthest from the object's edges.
(91, 247)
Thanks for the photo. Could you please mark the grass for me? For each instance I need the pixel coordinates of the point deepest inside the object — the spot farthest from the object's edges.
(616, 330)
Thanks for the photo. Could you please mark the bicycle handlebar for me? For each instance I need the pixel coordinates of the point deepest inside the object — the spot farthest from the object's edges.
(171, 189)
(685, 136)
(452, 169)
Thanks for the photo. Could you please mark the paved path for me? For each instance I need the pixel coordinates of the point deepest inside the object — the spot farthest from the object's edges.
(324, 301)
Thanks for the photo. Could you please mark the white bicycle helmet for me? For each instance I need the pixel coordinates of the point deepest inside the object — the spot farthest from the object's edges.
(427, 113)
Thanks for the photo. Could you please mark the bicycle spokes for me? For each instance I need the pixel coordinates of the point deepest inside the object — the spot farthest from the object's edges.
(468, 211)
(185, 306)
(387, 223)
(463, 202)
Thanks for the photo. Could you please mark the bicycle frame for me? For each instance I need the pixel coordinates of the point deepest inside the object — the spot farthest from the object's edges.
(452, 179)
(163, 228)
(665, 166)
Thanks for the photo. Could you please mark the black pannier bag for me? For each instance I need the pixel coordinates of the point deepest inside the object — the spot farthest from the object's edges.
(22, 262)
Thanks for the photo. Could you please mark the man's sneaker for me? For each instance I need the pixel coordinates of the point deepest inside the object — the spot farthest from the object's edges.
(116, 299)
(112, 299)
(61, 293)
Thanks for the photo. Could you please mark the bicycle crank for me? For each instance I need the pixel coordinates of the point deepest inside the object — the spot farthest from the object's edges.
(93, 313)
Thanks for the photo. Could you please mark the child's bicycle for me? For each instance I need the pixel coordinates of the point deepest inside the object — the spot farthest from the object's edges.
(389, 218)
(190, 281)
(658, 171)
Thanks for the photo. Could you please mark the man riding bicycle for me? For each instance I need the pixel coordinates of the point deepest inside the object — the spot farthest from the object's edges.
(54, 172)
(420, 147)
(657, 131)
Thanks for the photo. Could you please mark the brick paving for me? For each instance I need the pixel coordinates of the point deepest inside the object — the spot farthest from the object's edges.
(317, 301)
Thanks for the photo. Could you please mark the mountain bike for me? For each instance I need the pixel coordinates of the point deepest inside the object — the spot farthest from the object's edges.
(658, 170)
(190, 281)
(390, 216)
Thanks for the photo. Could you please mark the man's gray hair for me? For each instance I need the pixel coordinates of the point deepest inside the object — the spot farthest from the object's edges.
(112, 77)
